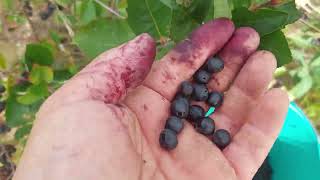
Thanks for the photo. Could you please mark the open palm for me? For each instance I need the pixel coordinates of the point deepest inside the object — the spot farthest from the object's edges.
(105, 122)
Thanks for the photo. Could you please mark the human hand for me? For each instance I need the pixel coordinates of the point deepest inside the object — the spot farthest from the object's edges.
(105, 122)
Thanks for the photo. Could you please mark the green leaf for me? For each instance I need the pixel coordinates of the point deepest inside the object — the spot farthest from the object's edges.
(290, 8)
(304, 85)
(62, 75)
(41, 73)
(8, 4)
(298, 56)
(222, 9)
(182, 24)
(64, 3)
(3, 64)
(101, 35)
(55, 37)
(241, 3)
(278, 45)
(264, 21)
(151, 16)
(34, 94)
(38, 54)
(199, 9)
(170, 3)
(210, 14)
(17, 114)
(163, 50)
(88, 12)
(315, 62)
(23, 131)
(100, 11)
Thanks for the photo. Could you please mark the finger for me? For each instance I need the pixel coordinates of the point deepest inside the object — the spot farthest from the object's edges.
(243, 43)
(195, 156)
(180, 63)
(251, 82)
(253, 142)
(110, 75)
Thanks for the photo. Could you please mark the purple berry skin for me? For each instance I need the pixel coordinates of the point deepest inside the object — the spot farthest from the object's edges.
(202, 76)
(221, 138)
(200, 92)
(215, 99)
(195, 113)
(180, 107)
(168, 139)
(186, 88)
(214, 65)
(205, 126)
(174, 123)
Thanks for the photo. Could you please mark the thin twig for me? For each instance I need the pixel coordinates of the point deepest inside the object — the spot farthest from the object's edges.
(109, 9)
(66, 23)
(310, 25)
(257, 6)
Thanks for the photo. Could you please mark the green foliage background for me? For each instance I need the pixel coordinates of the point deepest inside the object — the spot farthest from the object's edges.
(78, 30)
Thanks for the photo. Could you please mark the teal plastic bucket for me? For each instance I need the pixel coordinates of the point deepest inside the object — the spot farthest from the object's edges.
(296, 153)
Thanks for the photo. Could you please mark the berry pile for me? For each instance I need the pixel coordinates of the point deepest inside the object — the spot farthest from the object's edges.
(181, 108)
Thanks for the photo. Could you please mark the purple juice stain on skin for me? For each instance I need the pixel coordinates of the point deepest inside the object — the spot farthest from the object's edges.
(141, 53)
(184, 50)
(202, 38)
(242, 44)
(145, 107)
(119, 105)
(216, 80)
(129, 67)
(167, 76)
(128, 76)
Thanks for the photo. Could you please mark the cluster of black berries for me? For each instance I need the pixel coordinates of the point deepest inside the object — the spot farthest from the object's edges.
(181, 108)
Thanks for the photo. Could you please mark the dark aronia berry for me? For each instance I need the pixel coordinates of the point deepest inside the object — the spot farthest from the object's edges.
(200, 92)
(186, 88)
(2, 106)
(205, 126)
(214, 65)
(221, 138)
(2, 88)
(180, 107)
(4, 128)
(215, 99)
(51, 6)
(180, 96)
(202, 76)
(168, 139)
(174, 123)
(195, 113)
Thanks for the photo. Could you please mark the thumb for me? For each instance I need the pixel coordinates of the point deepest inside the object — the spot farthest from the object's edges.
(113, 73)
(110, 76)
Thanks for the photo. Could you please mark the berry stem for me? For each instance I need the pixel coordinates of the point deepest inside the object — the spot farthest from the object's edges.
(210, 111)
